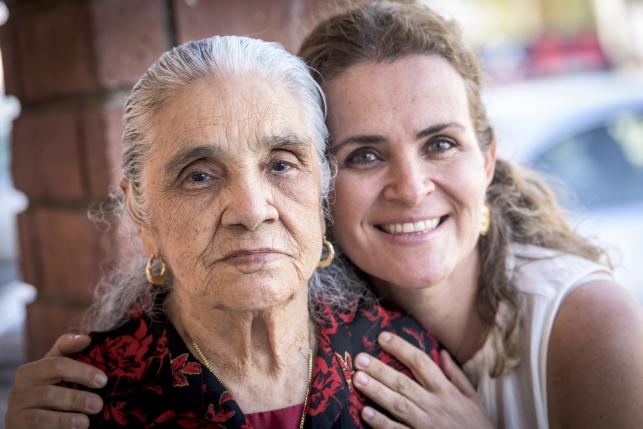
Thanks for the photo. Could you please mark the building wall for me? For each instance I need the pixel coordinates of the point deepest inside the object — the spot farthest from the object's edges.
(71, 64)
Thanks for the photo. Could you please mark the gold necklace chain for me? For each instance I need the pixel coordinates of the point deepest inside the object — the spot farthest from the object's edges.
(210, 368)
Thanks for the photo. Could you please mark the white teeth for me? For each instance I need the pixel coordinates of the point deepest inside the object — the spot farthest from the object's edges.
(410, 227)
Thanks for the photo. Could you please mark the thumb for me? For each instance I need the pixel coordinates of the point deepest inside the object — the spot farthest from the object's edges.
(456, 375)
(68, 344)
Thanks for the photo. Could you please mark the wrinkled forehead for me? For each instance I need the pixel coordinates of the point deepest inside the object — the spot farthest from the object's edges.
(244, 110)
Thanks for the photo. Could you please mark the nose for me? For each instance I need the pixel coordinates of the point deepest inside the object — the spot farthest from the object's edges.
(409, 181)
(249, 202)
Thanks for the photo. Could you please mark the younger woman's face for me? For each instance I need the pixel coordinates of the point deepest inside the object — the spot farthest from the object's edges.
(412, 177)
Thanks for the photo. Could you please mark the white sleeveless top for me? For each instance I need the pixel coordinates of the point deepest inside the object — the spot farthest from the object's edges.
(544, 278)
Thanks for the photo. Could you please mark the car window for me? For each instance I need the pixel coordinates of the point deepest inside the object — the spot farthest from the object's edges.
(602, 166)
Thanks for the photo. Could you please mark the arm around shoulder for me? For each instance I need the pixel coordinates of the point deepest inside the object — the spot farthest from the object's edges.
(595, 360)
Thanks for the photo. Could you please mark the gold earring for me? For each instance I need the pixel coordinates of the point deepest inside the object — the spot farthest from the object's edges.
(156, 279)
(324, 263)
(485, 223)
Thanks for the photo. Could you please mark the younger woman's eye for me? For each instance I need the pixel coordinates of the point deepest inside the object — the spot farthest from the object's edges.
(362, 157)
(440, 145)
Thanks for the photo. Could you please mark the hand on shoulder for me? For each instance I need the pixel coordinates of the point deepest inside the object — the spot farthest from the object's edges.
(35, 400)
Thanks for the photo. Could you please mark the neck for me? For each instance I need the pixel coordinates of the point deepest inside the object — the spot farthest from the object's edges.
(446, 309)
(261, 356)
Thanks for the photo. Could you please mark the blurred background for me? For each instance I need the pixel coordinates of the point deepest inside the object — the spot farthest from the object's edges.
(564, 83)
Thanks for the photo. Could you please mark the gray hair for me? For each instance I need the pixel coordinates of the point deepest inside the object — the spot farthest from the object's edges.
(219, 56)
(177, 69)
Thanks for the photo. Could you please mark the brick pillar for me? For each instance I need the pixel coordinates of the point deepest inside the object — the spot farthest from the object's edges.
(71, 63)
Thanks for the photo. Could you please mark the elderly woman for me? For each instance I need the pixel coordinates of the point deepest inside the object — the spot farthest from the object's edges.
(227, 324)
(471, 246)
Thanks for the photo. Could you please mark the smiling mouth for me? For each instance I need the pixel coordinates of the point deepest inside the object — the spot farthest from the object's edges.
(421, 226)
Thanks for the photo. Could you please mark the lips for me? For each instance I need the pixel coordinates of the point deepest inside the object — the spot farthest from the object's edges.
(249, 253)
(420, 226)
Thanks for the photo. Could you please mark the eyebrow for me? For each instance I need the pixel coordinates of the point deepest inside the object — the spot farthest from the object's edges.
(283, 140)
(185, 157)
(376, 138)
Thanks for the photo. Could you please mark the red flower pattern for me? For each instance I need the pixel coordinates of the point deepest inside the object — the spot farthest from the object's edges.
(154, 382)
(181, 367)
(346, 364)
(220, 414)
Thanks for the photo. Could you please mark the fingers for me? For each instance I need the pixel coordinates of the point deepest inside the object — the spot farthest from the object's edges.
(56, 398)
(46, 419)
(392, 390)
(377, 420)
(52, 370)
(68, 344)
(35, 401)
(456, 376)
(423, 368)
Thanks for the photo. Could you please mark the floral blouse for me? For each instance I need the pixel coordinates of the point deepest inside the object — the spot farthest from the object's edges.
(154, 381)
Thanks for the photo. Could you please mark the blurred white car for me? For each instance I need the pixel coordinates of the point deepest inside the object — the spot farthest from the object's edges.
(586, 131)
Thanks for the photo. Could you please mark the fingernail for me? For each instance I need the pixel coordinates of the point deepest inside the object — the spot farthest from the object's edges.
(100, 379)
(79, 422)
(361, 379)
(362, 360)
(368, 413)
(76, 336)
(92, 404)
(385, 337)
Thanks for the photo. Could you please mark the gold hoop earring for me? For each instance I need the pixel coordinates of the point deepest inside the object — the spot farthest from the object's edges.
(330, 255)
(485, 223)
(156, 279)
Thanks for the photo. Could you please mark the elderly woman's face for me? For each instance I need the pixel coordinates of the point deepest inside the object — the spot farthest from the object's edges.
(412, 178)
(234, 191)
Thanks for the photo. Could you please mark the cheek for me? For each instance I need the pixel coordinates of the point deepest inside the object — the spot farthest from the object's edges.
(466, 182)
(186, 225)
(354, 199)
(300, 212)
(346, 204)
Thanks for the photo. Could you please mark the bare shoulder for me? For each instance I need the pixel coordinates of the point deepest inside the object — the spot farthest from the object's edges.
(595, 359)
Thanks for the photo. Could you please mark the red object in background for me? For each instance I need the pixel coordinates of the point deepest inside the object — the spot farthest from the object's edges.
(554, 54)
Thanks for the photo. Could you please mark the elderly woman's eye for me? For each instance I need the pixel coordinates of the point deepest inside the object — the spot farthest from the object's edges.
(362, 157)
(198, 177)
(281, 166)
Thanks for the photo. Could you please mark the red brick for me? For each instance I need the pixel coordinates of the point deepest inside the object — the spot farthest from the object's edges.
(46, 159)
(47, 319)
(54, 40)
(128, 36)
(29, 248)
(11, 59)
(284, 21)
(102, 139)
(72, 250)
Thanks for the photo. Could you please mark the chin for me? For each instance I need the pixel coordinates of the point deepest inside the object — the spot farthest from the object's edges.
(421, 274)
(418, 282)
(260, 297)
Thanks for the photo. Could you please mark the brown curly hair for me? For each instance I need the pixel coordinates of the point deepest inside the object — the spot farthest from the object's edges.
(523, 208)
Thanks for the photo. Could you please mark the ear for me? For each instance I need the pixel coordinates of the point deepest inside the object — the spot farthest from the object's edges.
(490, 161)
(143, 228)
(322, 220)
